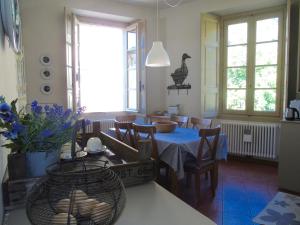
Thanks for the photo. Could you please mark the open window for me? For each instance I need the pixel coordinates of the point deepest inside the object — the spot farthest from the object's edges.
(104, 64)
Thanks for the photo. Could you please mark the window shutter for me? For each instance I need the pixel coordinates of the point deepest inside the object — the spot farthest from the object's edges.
(210, 47)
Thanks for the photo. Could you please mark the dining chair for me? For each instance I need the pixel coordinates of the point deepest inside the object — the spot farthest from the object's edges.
(181, 120)
(126, 118)
(157, 118)
(206, 160)
(127, 136)
(147, 132)
(82, 136)
(199, 123)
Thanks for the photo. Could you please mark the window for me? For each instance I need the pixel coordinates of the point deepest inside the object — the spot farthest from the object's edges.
(108, 83)
(103, 72)
(252, 65)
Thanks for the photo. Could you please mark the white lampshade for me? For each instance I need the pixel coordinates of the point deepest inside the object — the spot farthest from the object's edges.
(157, 56)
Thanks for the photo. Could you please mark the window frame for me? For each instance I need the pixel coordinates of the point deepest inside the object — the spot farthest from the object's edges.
(251, 18)
(129, 28)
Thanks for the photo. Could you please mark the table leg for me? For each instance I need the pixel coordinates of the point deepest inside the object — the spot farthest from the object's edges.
(175, 189)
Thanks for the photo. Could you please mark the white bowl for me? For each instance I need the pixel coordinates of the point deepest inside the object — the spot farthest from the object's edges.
(94, 144)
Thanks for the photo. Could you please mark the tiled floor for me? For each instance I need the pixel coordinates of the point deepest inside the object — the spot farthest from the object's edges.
(243, 191)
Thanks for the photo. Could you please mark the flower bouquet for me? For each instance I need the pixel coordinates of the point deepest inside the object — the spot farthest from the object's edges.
(39, 133)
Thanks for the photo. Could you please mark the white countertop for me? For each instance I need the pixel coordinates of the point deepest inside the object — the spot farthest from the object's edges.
(148, 204)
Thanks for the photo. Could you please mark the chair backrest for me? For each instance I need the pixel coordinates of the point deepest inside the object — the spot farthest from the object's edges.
(157, 118)
(181, 120)
(82, 136)
(146, 132)
(200, 123)
(125, 136)
(209, 142)
(126, 118)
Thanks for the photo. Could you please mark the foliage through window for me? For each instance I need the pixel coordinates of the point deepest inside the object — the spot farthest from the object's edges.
(252, 65)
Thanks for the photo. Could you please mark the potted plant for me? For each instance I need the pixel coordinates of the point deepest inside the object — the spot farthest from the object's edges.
(35, 137)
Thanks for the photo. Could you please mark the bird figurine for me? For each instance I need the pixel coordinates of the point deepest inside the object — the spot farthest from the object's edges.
(181, 73)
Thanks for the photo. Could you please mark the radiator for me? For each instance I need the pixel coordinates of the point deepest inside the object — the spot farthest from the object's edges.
(261, 143)
(104, 125)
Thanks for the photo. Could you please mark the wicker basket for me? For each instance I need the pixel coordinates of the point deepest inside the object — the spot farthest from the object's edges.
(165, 126)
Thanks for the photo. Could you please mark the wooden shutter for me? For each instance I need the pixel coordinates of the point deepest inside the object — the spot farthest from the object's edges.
(210, 47)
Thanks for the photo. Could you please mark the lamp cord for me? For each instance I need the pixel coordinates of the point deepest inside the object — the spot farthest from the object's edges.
(171, 5)
(157, 20)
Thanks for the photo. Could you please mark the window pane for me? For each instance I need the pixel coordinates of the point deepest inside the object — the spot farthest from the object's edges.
(266, 53)
(236, 99)
(132, 99)
(265, 77)
(132, 60)
(236, 77)
(132, 79)
(267, 30)
(237, 56)
(237, 34)
(265, 100)
(102, 68)
(131, 38)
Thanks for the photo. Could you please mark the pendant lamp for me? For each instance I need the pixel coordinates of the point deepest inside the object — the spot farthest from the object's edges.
(157, 56)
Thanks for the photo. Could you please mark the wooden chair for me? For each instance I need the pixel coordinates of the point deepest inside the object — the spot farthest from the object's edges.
(181, 120)
(206, 161)
(199, 123)
(126, 118)
(126, 137)
(157, 118)
(147, 132)
(82, 136)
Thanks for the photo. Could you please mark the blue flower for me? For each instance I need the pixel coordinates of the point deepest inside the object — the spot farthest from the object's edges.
(34, 104)
(4, 107)
(10, 135)
(67, 113)
(66, 125)
(7, 117)
(46, 133)
(18, 127)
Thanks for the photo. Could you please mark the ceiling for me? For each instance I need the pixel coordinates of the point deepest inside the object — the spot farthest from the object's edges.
(152, 3)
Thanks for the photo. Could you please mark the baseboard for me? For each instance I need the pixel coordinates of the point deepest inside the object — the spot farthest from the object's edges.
(251, 159)
(289, 192)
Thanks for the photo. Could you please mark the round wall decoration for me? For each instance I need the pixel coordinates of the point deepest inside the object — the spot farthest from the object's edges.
(46, 89)
(46, 60)
(12, 22)
(47, 73)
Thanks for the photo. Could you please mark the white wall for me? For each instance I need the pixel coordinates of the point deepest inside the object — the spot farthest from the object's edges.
(8, 88)
(43, 32)
(182, 35)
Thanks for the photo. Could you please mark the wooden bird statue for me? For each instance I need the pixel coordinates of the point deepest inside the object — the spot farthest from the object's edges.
(181, 73)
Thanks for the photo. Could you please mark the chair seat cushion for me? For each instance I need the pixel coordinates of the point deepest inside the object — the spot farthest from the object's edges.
(192, 165)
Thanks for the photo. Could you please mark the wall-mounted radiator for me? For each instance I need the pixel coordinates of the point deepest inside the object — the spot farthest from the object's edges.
(252, 139)
(104, 125)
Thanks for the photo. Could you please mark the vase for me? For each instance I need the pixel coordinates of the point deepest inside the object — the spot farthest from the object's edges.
(37, 162)
(16, 164)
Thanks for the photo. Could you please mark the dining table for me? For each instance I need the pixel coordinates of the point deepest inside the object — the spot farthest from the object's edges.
(180, 145)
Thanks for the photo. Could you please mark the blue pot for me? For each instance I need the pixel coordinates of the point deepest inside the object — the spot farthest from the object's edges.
(37, 162)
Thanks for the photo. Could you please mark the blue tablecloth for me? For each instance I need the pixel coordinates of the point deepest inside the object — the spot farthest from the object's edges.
(176, 147)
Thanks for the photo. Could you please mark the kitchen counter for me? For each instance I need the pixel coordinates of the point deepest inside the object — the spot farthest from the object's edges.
(147, 204)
